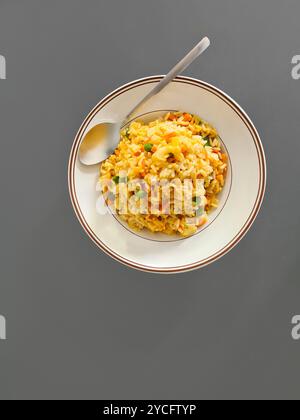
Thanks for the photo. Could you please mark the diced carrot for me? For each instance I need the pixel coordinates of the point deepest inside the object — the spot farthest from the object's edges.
(202, 222)
(169, 135)
(137, 153)
(172, 117)
(154, 149)
(184, 150)
(224, 157)
(187, 117)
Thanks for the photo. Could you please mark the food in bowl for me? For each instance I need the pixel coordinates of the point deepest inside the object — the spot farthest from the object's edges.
(165, 176)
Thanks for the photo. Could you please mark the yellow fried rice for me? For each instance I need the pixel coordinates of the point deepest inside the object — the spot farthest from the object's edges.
(178, 146)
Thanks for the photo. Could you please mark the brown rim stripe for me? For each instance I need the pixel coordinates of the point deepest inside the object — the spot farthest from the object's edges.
(247, 225)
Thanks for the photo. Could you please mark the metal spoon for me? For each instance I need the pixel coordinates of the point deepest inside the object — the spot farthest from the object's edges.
(102, 140)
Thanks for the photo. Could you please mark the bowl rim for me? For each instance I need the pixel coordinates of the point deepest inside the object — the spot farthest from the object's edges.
(207, 225)
(243, 231)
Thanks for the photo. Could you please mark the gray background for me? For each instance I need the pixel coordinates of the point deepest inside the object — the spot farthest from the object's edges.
(79, 324)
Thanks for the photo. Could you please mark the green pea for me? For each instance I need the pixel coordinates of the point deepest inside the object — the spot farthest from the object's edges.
(148, 147)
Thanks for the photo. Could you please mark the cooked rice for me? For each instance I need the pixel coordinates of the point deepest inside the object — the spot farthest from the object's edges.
(177, 146)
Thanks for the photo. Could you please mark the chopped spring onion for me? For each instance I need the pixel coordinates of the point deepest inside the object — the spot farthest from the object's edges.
(116, 179)
(207, 139)
(197, 200)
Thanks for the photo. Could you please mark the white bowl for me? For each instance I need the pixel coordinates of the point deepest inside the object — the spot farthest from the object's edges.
(240, 200)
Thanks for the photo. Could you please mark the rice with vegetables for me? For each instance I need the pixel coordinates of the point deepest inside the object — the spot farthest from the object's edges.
(155, 159)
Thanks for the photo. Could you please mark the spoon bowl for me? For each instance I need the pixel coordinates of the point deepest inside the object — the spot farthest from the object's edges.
(99, 143)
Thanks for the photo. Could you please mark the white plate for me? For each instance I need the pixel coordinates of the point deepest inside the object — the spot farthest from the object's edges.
(241, 198)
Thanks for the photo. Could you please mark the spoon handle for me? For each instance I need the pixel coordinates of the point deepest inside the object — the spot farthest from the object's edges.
(178, 69)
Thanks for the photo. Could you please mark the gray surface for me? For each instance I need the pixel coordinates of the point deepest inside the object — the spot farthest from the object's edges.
(79, 324)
